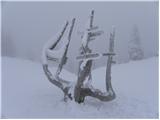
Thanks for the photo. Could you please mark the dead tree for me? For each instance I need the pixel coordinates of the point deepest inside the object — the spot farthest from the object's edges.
(49, 54)
(84, 75)
(83, 86)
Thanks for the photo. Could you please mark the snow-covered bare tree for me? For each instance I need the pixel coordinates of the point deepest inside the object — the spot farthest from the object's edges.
(83, 86)
(135, 51)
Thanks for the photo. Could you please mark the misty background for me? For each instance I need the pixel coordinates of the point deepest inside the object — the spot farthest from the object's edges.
(27, 26)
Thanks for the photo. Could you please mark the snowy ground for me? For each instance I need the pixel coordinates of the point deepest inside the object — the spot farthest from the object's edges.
(26, 92)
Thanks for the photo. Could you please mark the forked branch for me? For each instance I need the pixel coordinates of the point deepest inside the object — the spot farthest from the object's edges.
(64, 85)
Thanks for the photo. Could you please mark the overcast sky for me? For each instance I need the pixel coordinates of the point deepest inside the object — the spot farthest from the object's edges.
(26, 26)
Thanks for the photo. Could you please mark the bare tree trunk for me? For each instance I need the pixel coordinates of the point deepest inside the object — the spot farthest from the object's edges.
(79, 94)
(85, 71)
(81, 91)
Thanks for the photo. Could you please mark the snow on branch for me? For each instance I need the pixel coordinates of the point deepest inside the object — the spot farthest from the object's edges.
(109, 64)
(49, 52)
(64, 57)
(51, 44)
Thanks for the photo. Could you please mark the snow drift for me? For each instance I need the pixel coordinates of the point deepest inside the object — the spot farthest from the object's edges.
(26, 92)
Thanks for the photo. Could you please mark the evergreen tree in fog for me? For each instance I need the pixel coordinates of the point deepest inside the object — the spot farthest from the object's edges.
(135, 51)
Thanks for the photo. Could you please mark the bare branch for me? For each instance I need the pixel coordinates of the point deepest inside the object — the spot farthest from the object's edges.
(60, 83)
(109, 64)
(55, 79)
(64, 58)
(97, 94)
(60, 36)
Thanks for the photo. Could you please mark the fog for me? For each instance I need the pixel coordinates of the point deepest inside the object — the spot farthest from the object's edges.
(26, 26)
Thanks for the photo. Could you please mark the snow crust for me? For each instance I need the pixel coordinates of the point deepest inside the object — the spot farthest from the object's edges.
(26, 92)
